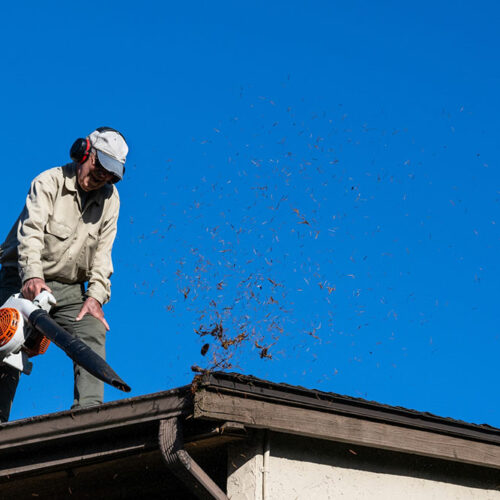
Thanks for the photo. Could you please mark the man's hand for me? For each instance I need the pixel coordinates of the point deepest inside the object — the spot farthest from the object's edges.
(93, 307)
(31, 288)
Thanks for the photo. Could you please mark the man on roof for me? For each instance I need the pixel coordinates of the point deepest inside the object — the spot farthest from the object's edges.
(62, 242)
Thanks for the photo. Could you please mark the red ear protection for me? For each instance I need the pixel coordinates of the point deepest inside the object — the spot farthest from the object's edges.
(80, 150)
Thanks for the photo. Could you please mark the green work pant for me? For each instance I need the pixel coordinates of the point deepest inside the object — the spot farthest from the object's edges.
(88, 390)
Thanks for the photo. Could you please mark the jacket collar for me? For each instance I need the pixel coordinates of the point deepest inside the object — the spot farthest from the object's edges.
(69, 172)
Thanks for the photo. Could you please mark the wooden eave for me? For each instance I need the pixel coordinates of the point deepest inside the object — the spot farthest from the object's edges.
(260, 404)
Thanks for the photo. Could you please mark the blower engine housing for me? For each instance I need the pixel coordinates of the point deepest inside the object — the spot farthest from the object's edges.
(18, 340)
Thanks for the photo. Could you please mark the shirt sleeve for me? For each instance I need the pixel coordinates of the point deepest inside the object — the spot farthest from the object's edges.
(102, 268)
(30, 231)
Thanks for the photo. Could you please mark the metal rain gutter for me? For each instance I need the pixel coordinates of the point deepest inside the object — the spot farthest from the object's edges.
(182, 464)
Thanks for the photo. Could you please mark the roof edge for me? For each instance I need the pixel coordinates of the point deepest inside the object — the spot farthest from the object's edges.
(297, 396)
(121, 413)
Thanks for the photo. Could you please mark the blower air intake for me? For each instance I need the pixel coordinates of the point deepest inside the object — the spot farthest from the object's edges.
(9, 320)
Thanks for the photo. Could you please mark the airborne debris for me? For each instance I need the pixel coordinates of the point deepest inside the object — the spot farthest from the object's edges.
(262, 220)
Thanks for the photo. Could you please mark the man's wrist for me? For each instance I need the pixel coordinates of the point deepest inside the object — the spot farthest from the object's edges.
(34, 278)
(95, 300)
(91, 296)
(30, 272)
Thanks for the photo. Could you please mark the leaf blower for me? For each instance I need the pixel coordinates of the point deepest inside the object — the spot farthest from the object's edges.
(26, 330)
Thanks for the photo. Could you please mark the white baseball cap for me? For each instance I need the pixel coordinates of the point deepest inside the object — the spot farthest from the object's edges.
(111, 149)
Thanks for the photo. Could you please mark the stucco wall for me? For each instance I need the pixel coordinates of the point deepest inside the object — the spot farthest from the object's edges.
(244, 481)
(310, 469)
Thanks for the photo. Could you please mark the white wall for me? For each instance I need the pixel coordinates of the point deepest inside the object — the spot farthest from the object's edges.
(245, 461)
(315, 470)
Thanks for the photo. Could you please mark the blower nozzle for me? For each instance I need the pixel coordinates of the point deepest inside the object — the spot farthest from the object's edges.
(77, 350)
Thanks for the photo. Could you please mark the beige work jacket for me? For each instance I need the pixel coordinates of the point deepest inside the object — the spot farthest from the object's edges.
(55, 238)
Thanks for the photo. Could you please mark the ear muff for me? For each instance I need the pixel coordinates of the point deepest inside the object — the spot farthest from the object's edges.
(80, 150)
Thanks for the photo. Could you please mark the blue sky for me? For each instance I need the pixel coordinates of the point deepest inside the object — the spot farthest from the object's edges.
(319, 178)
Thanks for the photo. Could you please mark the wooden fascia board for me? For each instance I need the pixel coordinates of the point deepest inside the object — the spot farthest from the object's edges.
(347, 429)
(344, 405)
(56, 427)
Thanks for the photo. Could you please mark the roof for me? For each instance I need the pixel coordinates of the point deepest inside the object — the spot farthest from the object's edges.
(219, 408)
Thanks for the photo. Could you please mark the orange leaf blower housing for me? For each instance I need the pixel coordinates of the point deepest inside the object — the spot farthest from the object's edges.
(9, 323)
